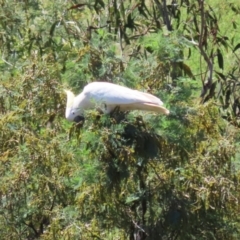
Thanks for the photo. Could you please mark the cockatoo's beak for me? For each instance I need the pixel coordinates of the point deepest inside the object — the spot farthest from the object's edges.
(79, 119)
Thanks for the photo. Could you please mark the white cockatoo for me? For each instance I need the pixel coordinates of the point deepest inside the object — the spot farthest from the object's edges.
(108, 96)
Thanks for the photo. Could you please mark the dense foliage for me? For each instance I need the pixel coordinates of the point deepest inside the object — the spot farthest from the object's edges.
(129, 175)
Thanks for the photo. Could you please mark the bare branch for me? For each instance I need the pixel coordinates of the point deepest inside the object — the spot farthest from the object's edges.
(202, 40)
(165, 15)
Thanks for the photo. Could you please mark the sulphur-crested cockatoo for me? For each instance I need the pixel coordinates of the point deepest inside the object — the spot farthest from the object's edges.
(108, 96)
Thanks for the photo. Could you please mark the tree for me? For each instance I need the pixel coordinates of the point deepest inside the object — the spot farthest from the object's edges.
(129, 175)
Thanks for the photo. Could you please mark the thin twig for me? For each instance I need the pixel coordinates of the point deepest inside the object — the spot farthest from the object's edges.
(137, 226)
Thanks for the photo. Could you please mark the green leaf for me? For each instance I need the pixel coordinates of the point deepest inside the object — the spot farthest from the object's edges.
(220, 58)
(236, 47)
(221, 75)
(186, 69)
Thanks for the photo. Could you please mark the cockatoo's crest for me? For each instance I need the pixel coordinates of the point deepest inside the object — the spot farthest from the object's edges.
(70, 98)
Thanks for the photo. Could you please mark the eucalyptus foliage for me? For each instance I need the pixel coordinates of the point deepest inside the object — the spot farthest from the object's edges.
(129, 175)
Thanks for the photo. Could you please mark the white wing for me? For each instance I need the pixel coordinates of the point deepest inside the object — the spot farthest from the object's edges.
(115, 95)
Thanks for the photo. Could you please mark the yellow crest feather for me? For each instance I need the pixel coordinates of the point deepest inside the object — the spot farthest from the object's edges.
(70, 98)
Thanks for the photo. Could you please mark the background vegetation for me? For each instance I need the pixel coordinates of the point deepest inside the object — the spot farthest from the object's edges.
(141, 177)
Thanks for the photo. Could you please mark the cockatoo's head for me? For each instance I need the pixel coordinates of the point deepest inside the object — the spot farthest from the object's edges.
(73, 112)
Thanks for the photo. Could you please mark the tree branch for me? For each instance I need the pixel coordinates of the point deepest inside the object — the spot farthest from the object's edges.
(164, 11)
(202, 40)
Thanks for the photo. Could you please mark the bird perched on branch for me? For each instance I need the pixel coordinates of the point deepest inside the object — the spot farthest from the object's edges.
(106, 97)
